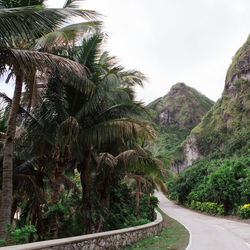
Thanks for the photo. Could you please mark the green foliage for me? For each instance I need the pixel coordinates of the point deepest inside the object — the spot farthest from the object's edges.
(193, 106)
(168, 140)
(244, 211)
(18, 235)
(223, 138)
(224, 131)
(123, 212)
(60, 208)
(3, 119)
(219, 181)
(207, 207)
(224, 184)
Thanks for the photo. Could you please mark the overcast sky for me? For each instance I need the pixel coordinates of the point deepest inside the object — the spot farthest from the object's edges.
(174, 40)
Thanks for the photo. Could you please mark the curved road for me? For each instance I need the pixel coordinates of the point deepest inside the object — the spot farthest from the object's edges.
(208, 232)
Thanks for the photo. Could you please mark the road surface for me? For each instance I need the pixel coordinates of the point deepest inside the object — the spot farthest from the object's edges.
(208, 232)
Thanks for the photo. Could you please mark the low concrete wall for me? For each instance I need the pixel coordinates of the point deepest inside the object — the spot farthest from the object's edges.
(107, 240)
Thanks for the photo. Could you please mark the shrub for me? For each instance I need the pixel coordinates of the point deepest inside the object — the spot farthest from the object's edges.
(244, 211)
(18, 235)
(208, 207)
(225, 183)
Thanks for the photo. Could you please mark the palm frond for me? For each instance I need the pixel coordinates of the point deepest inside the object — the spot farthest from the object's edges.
(22, 3)
(70, 72)
(90, 50)
(32, 94)
(110, 130)
(127, 157)
(106, 159)
(131, 78)
(136, 177)
(163, 187)
(8, 100)
(29, 184)
(67, 133)
(107, 61)
(62, 38)
(27, 58)
(72, 3)
(34, 21)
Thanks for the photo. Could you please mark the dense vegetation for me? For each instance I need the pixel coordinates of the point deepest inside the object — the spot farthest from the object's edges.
(219, 181)
(73, 159)
(169, 137)
(222, 177)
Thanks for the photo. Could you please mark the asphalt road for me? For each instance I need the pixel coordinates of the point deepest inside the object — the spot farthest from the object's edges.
(208, 232)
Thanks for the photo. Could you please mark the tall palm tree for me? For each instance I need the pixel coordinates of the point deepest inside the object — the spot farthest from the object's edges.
(25, 24)
(109, 114)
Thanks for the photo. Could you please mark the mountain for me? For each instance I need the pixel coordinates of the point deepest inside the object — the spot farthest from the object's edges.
(224, 131)
(176, 114)
(182, 106)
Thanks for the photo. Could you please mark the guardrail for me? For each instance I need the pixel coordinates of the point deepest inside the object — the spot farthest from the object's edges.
(114, 239)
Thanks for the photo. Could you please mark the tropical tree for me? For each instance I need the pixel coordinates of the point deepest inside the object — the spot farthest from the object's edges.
(25, 24)
(106, 116)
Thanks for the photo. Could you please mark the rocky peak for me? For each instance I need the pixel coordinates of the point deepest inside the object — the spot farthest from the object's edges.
(182, 106)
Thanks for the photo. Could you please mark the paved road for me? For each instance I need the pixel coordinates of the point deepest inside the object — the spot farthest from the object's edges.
(208, 232)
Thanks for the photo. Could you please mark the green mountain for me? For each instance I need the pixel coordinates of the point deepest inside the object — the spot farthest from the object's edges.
(224, 132)
(182, 106)
(176, 113)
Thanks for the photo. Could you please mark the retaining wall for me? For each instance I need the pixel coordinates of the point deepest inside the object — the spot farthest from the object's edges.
(106, 240)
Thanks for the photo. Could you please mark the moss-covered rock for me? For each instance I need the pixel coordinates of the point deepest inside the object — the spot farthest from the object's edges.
(225, 130)
(183, 107)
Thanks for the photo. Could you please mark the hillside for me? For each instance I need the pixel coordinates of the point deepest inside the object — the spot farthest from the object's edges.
(225, 129)
(176, 114)
(182, 106)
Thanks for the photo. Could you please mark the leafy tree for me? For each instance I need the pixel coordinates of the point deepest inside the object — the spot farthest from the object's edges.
(25, 24)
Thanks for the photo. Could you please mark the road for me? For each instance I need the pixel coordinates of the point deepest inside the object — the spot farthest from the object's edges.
(208, 232)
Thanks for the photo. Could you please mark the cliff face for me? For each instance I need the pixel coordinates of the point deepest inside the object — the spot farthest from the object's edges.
(225, 129)
(176, 114)
(183, 107)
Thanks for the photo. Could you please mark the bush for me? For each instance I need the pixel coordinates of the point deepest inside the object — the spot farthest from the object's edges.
(18, 235)
(218, 181)
(244, 211)
(225, 184)
(208, 207)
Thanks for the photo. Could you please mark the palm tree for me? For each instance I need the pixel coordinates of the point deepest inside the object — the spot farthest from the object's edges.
(108, 115)
(25, 24)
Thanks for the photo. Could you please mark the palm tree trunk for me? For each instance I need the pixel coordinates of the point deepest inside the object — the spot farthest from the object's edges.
(7, 185)
(85, 182)
(137, 202)
(55, 199)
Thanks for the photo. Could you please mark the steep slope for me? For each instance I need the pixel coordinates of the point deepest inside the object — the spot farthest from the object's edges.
(176, 114)
(225, 129)
(183, 107)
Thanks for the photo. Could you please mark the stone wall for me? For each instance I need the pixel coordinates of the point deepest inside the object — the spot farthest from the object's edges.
(115, 239)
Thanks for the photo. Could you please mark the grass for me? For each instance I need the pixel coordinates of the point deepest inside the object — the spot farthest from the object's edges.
(173, 236)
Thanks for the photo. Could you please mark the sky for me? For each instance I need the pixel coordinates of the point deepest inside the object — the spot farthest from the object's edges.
(174, 41)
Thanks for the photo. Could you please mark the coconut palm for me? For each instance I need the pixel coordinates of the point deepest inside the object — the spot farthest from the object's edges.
(110, 114)
(103, 108)
(25, 24)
